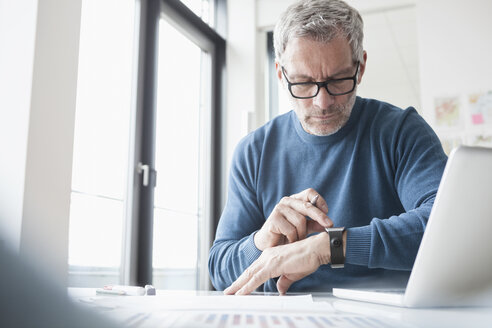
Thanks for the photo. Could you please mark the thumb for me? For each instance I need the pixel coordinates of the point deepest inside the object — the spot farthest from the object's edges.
(284, 282)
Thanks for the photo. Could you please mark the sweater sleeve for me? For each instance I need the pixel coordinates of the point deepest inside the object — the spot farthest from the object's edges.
(418, 162)
(233, 249)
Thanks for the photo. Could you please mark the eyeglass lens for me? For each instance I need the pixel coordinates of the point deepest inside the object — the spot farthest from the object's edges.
(311, 89)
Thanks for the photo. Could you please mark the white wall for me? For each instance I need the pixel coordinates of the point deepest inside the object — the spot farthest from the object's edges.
(392, 71)
(17, 31)
(41, 85)
(269, 10)
(455, 44)
(241, 71)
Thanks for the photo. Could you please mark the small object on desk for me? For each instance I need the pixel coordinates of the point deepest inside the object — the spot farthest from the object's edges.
(121, 290)
(149, 290)
(110, 292)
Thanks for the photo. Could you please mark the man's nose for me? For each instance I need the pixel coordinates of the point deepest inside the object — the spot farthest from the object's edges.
(323, 99)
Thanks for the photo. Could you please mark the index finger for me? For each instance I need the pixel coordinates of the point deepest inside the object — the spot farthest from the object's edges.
(252, 277)
(256, 281)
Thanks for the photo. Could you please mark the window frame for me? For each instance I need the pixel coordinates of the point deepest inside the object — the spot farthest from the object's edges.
(138, 240)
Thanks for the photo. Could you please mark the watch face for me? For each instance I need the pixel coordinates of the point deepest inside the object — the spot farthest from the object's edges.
(336, 247)
(336, 242)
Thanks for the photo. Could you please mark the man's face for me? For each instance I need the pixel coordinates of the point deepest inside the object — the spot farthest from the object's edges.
(305, 60)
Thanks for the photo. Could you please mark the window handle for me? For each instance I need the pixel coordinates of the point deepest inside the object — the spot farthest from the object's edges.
(149, 174)
(144, 168)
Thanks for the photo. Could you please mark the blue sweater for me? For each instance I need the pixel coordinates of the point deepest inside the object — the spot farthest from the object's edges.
(379, 175)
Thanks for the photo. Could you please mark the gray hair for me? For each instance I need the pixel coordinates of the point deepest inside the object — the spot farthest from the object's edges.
(322, 21)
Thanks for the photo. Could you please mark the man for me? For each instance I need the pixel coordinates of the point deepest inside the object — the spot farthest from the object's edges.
(372, 167)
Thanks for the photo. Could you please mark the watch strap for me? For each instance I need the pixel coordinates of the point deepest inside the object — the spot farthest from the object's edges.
(336, 247)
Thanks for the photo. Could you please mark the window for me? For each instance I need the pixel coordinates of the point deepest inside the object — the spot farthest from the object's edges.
(158, 112)
(101, 142)
(190, 57)
(178, 193)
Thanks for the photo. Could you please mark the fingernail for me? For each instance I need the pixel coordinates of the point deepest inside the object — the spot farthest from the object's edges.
(328, 221)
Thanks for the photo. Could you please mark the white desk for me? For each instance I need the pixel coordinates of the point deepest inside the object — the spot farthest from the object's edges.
(179, 309)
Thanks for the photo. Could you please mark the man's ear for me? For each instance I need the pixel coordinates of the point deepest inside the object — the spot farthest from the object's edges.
(278, 68)
(362, 67)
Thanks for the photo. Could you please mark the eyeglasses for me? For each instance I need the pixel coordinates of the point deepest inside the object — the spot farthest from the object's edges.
(335, 87)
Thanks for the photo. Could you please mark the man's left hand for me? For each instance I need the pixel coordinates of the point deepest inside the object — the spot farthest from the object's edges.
(289, 262)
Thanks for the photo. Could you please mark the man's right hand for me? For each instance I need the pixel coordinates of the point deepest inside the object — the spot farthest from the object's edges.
(288, 223)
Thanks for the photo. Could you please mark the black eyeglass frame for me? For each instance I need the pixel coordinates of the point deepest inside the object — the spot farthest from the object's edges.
(323, 84)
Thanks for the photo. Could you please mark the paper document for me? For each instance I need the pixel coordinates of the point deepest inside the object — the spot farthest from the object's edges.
(188, 310)
(219, 302)
(199, 319)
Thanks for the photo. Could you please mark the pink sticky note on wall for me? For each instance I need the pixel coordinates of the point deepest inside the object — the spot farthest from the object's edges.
(477, 118)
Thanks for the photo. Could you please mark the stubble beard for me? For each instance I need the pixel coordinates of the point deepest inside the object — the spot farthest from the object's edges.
(330, 126)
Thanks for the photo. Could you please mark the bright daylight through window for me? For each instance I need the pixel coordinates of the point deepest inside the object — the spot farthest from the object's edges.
(177, 199)
(201, 8)
(101, 141)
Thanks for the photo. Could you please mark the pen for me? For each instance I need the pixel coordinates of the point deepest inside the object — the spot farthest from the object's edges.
(121, 290)
(110, 292)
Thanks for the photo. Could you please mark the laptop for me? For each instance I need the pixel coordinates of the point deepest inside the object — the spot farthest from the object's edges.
(453, 266)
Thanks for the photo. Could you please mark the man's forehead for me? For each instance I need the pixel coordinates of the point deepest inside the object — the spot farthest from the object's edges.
(309, 58)
(300, 72)
(298, 49)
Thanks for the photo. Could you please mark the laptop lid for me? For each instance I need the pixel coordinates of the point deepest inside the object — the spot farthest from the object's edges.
(453, 266)
(454, 262)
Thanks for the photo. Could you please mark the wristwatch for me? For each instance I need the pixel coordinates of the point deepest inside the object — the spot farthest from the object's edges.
(336, 247)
